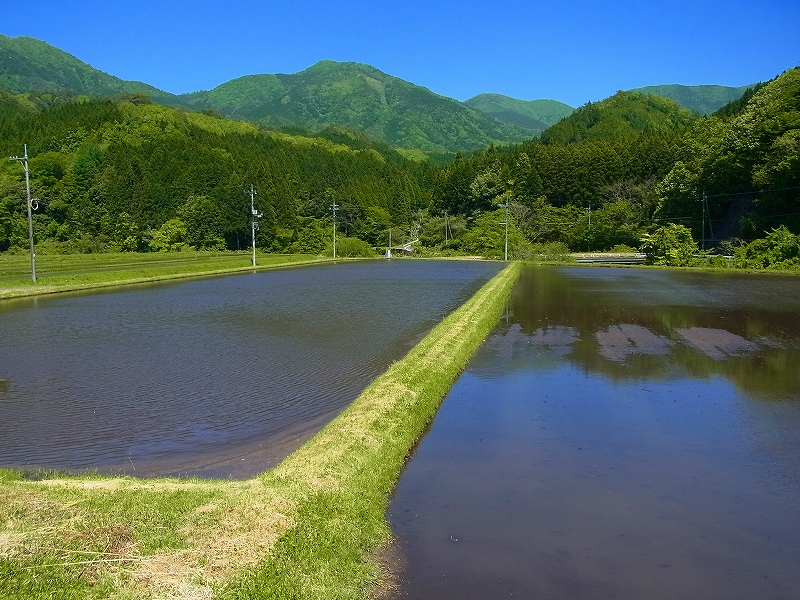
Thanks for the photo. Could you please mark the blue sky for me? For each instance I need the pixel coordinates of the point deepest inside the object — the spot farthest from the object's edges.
(574, 52)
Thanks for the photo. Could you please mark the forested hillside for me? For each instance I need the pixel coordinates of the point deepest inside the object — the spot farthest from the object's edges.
(358, 97)
(132, 175)
(616, 170)
(128, 174)
(30, 65)
(625, 115)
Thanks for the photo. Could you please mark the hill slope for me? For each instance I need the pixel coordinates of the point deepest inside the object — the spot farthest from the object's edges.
(109, 174)
(359, 97)
(30, 65)
(622, 116)
(700, 99)
(534, 116)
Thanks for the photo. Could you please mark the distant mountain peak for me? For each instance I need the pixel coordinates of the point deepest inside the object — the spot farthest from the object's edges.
(533, 115)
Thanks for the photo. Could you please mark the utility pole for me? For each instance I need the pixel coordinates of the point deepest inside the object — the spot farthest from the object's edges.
(334, 206)
(255, 215)
(389, 249)
(703, 222)
(505, 205)
(589, 231)
(24, 161)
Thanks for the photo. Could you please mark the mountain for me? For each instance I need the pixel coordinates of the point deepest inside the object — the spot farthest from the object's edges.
(359, 97)
(30, 65)
(534, 116)
(700, 99)
(350, 95)
(622, 116)
(109, 173)
(748, 164)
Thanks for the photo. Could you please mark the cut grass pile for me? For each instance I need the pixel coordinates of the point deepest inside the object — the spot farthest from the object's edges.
(305, 529)
(73, 272)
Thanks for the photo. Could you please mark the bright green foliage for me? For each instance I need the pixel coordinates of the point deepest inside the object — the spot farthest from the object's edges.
(779, 250)
(313, 236)
(205, 223)
(554, 252)
(349, 247)
(624, 115)
(170, 237)
(747, 165)
(487, 237)
(670, 245)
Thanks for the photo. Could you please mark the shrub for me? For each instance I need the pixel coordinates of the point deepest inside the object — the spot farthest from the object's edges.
(551, 252)
(348, 247)
(779, 250)
(670, 245)
(170, 237)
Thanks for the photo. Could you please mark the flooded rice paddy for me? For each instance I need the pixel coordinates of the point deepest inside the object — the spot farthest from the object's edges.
(217, 377)
(622, 434)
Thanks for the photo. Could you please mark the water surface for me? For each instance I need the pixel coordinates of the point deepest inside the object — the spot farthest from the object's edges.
(214, 377)
(622, 434)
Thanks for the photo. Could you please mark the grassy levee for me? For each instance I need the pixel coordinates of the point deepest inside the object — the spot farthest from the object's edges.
(305, 529)
(346, 473)
(75, 272)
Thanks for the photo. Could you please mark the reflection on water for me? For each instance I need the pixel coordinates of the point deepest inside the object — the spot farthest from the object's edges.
(622, 434)
(211, 377)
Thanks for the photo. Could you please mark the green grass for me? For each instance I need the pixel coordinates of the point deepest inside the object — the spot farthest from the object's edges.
(71, 272)
(306, 529)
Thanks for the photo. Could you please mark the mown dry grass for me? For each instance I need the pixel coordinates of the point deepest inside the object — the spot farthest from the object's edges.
(312, 527)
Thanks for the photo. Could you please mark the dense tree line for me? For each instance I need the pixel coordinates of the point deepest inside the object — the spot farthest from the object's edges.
(127, 174)
(615, 171)
(110, 174)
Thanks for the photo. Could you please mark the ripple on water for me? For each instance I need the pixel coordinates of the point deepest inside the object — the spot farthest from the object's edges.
(160, 376)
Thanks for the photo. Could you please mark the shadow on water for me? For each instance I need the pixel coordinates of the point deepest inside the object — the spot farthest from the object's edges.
(220, 377)
(622, 434)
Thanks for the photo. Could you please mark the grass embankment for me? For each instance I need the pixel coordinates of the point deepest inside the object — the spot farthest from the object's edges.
(305, 529)
(73, 272)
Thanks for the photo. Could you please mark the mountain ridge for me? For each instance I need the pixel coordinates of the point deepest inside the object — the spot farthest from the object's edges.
(31, 65)
(329, 93)
(360, 97)
(533, 115)
(700, 99)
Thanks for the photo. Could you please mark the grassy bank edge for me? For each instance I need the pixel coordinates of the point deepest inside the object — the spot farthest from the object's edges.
(126, 277)
(347, 472)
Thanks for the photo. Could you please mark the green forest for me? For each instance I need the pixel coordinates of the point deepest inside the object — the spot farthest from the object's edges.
(126, 174)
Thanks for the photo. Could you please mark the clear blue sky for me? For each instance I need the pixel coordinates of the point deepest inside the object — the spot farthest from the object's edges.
(574, 52)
